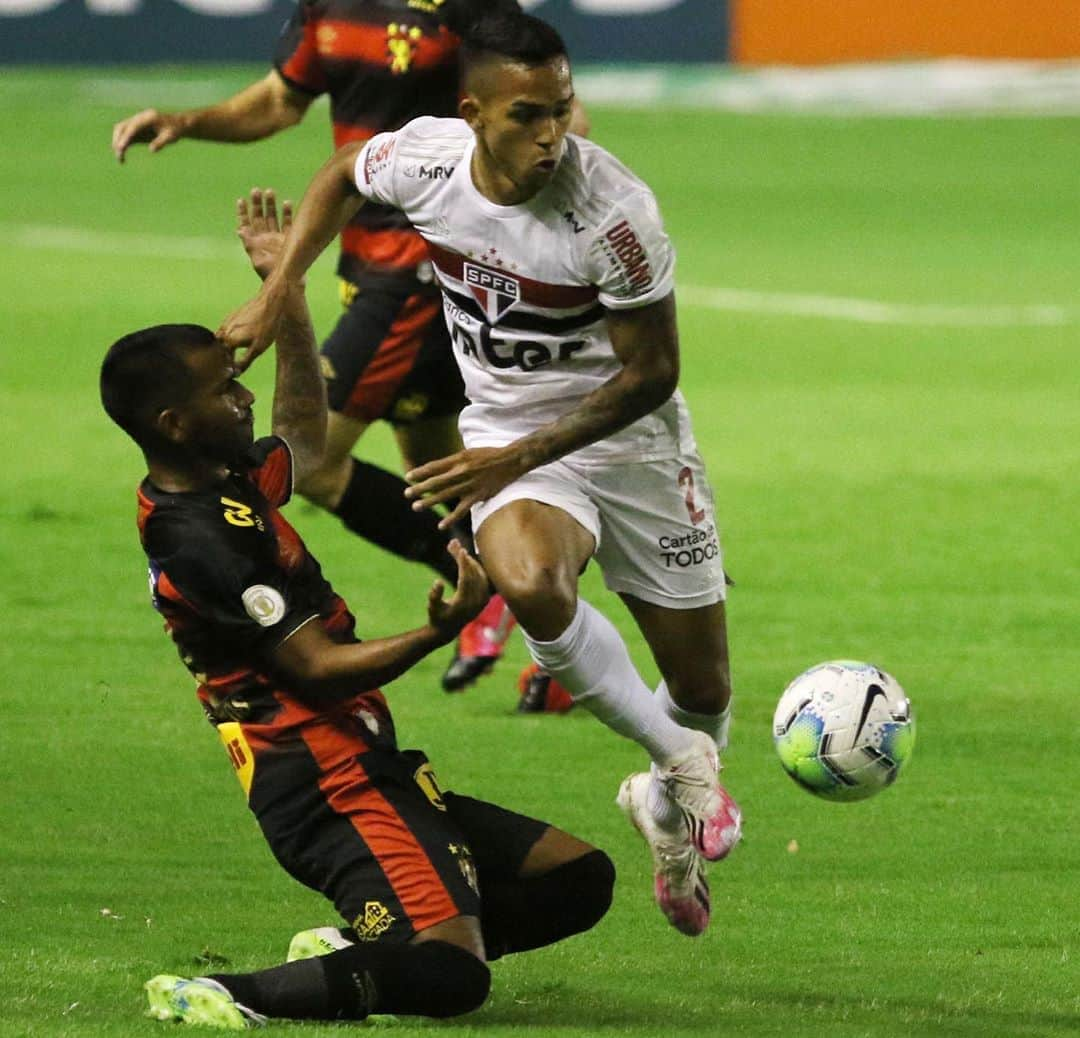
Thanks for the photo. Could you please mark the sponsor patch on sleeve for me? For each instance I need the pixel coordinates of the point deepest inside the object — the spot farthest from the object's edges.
(628, 254)
(378, 154)
(263, 604)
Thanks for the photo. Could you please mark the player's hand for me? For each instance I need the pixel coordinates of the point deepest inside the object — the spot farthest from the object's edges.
(158, 129)
(470, 595)
(260, 231)
(253, 327)
(470, 476)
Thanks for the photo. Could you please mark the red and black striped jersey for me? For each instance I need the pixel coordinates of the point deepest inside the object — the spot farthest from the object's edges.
(383, 63)
(233, 579)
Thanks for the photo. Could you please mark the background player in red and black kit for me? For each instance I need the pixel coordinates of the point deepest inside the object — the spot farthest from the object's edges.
(383, 63)
(432, 884)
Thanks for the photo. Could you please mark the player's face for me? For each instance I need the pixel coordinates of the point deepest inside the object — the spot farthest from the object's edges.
(217, 419)
(520, 115)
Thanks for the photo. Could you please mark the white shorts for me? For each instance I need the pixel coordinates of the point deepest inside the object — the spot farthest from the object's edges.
(654, 523)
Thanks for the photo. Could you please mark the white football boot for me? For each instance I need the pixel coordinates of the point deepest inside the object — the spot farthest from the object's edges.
(713, 818)
(680, 886)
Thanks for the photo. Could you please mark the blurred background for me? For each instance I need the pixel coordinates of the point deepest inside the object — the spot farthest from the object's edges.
(875, 206)
(738, 54)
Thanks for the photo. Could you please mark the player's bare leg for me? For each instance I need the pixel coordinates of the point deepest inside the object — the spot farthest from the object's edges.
(698, 683)
(533, 553)
(481, 641)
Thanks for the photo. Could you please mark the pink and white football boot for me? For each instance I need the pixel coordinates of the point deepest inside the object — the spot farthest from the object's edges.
(679, 884)
(713, 818)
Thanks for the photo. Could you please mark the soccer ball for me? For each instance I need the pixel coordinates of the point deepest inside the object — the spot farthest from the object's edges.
(844, 730)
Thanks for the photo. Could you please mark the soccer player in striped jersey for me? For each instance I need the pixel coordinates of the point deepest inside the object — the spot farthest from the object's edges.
(432, 885)
(557, 282)
(382, 63)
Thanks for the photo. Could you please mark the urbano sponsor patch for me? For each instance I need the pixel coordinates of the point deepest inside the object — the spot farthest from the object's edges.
(630, 255)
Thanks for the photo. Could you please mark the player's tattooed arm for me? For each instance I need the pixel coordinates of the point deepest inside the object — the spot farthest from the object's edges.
(646, 342)
(257, 111)
(321, 668)
(299, 413)
(330, 202)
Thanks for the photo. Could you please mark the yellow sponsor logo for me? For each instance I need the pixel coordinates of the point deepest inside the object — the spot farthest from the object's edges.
(238, 514)
(240, 755)
(424, 777)
(375, 921)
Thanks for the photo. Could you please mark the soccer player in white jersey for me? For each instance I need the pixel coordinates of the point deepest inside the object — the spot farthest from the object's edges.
(557, 285)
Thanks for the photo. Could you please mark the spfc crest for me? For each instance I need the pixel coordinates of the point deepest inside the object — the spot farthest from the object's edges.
(496, 292)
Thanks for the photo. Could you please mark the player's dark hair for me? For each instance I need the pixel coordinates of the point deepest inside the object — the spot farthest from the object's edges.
(460, 15)
(144, 372)
(512, 36)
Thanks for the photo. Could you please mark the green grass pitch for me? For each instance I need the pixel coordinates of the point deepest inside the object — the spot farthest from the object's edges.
(902, 489)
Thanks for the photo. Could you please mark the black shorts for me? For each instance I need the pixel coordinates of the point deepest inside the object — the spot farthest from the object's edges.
(374, 834)
(389, 356)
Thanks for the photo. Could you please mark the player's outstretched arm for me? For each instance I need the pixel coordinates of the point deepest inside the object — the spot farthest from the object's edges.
(645, 340)
(316, 665)
(330, 202)
(257, 111)
(300, 411)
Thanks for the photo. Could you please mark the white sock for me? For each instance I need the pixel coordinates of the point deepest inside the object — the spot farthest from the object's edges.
(661, 806)
(591, 661)
(716, 725)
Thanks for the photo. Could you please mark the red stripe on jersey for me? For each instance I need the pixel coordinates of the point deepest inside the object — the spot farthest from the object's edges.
(291, 551)
(302, 67)
(349, 133)
(535, 293)
(274, 476)
(346, 41)
(146, 508)
(167, 589)
(394, 359)
(386, 247)
(351, 794)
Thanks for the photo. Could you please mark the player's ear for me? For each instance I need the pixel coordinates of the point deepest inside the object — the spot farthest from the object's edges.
(469, 110)
(171, 425)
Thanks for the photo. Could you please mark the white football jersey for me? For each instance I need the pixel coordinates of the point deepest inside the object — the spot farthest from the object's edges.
(525, 287)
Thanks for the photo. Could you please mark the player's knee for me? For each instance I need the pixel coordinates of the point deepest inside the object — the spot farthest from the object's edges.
(593, 879)
(541, 597)
(454, 980)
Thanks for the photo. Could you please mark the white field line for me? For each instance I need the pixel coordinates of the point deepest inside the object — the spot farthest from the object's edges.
(786, 304)
(871, 311)
(116, 243)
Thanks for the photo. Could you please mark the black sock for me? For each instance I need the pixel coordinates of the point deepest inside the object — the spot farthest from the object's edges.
(374, 507)
(432, 978)
(521, 914)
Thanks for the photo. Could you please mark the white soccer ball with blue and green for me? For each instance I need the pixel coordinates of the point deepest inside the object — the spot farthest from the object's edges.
(844, 730)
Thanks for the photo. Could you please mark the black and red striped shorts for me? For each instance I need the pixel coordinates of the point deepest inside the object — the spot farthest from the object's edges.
(389, 356)
(371, 830)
